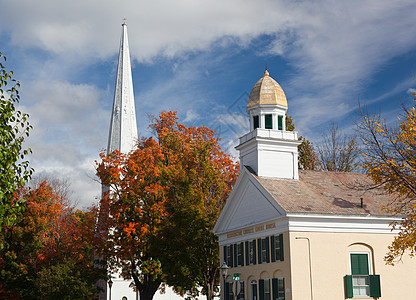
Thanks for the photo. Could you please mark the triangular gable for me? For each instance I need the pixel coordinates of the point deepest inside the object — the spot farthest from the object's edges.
(249, 203)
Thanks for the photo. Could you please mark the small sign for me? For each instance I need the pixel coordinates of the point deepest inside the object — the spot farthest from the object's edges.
(236, 276)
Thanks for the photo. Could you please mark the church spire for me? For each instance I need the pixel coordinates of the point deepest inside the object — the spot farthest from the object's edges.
(123, 126)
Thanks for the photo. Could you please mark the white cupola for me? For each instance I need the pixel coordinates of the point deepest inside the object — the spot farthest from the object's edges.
(268, 148)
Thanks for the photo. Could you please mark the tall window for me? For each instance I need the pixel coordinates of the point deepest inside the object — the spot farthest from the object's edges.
(280, 122)
(253, 290)
(277, 247)
(256, 123)
(268, 122)
(360, 272)
(360, 283)
(251, 252)
(264, 289)
(240, 254)
(278, 287)
(229, 295)
(241, 293)
(263, 250)
(228, 255)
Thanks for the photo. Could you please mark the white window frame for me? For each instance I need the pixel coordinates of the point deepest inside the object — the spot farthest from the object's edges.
(356, 276)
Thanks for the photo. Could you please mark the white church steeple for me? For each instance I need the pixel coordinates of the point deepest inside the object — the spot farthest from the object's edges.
(268, 148)
(123, 126)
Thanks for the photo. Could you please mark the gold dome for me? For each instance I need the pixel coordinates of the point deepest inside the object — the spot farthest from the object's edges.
(266, 91)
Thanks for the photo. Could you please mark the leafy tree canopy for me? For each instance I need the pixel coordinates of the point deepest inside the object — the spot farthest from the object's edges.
(15, 171)
(389, 158)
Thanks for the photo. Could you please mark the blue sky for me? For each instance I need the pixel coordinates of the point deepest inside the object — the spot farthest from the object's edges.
(200, 58)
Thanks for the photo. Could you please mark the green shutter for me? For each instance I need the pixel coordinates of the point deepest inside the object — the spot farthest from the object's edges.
(230, 248)
(359, 264)
(225, 254)
(254, 252)
(274, 289)
(375, 288)
(247, 254)
(267, 249)
(268, 122)
(261, 289)
(281, 247)
(235, 255)
(348, 286)
(242, 253)
(259, 251)
(272, 241)
(280, 122)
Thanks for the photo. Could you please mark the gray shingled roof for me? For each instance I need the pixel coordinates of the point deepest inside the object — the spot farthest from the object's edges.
(326, 193)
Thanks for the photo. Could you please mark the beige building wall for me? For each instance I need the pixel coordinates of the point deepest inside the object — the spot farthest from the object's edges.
(319, 262)
(261, 271)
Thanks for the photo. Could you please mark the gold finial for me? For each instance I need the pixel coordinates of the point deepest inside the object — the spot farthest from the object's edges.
(266, 73)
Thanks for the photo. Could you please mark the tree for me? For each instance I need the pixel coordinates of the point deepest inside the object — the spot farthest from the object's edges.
(165, 194)
(15, 171)
(49, 237)
(337, 153)
(307, 156)
(204, 176)
(389, 158)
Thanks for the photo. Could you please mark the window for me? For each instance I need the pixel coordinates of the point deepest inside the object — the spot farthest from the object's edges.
(228, 255)
(251, 252)
(278, 286)
(240, 254)
(360, 283)
(241, 293)
(263, 250)
(253, 290)
(277, 247)
(229, 291)
(268, 122)
(256, 123)
(280, 122)
(264, 289)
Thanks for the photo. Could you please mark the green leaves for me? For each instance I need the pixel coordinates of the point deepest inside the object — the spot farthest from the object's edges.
(15, 171)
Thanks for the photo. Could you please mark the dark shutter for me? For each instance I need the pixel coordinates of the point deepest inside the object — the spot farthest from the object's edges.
(348, 286)
(281, 247)
(267, 249)
(247, 254)
(280, 122)
(359, 264)
(259, 251)
(261, 289)
(227, 291)
(274, 289)
(272, 241)
(375, 288)
(254, 252)
(230, 249)
(268, 122)
(225, 255)
(242, 253)
(235, 255)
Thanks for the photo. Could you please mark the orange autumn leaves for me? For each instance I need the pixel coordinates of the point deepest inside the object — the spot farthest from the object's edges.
(179, 166)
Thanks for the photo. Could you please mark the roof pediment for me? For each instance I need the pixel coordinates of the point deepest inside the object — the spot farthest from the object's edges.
(248, 204)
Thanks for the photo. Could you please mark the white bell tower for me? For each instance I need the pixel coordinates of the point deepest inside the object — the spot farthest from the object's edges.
(268, 148)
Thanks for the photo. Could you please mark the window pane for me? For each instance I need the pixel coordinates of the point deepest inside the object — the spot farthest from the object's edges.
(359, 264)
(280, 122)
(256, 122)
(268, 122)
